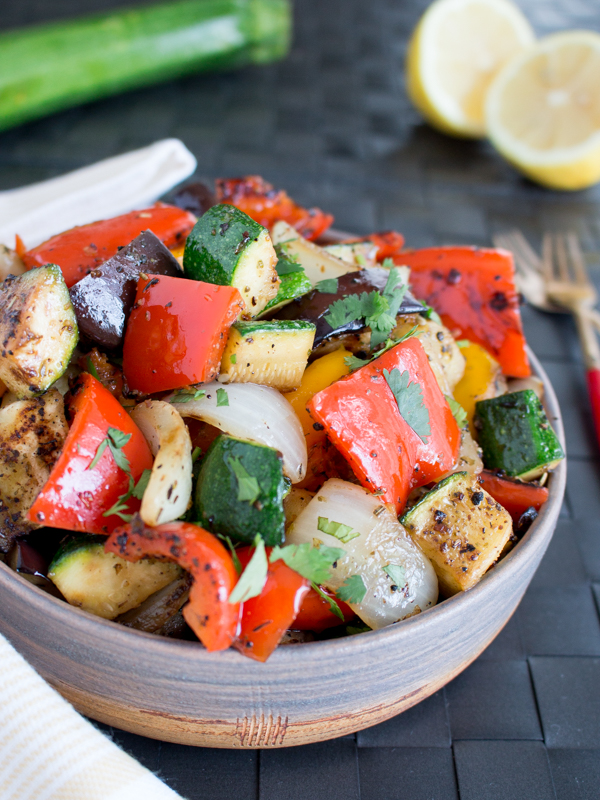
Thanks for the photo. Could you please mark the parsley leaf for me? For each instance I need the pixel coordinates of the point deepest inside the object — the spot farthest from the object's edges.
(286, 264)
(186, 397)
(458, 412)
(311, 562)
(358, 627)
(333, 606)
(342, 532)
(233, 358)
(196, 453)
(429, 313)
(142, 484)
(116, 441)
(253, 578)
(341, 312)
(222, 399)
(462, 343)
(360, 259)
(101, 448)
(234, 556)
(327, 286)
(410, 402)
(396, 573)
(248, 488)
(356, 363)
(92, 369)
(352, 590)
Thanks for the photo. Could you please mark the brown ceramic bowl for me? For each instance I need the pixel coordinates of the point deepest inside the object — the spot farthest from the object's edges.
(176, 691)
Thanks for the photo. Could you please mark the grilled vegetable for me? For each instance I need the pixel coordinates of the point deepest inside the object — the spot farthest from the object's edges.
(473, 290)
(156, 611)
(445, 357)
(317, 263)
(515, 435)
(90, 486)
(257, 198)
(482, 379)
(80, 250)
(359, 254)
(169, 488)
(227, 247)
(268, 353)
(62, 64)
(32, 433)
(38, 330)
(103, 299)
(514, 495)
(102, 583)
(390, 577)
(240, 491)
(180, 326)
(209, 613)
(293, 283)
(461, 529)
(316, 305)
(10, 263)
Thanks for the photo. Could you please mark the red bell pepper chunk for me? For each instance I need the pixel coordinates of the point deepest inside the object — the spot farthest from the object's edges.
(76, 497)
(176, 332)
(473, 290)
(79, 250)
(361, 417)
(209, 613)
(514, 495)
(266, 618)
(316, 615)
(389, 243)
(257, 198)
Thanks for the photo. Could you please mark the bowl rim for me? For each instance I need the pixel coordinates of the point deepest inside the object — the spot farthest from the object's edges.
(67, 614)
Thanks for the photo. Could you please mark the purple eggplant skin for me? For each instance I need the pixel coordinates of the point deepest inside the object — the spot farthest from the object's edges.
(314, 306)
(103, 299)
(196, 198)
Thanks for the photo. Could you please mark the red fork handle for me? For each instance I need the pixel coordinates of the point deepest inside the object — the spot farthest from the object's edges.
(593, 382)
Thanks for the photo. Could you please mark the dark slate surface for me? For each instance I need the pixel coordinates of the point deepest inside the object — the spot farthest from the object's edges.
(332, 125)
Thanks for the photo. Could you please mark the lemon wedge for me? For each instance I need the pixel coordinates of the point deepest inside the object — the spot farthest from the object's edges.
(543, 111)
(454, 53)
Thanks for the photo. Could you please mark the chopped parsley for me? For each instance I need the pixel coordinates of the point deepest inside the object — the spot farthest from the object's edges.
(187, 396)
(137, 490)
(352, 590)
(233, 358)
(333, 606)
(222, 399)
(311, 562)
(409, 399)
(354, 362)
(286, 264)
(248, 488)
(458, 412)
(327, 286)
(377, 309)
(234, 556)
(253, 578)
(396, 573)
(196, 453)
(342, 532)
(114, 440)
(462, 343)
(92, 369)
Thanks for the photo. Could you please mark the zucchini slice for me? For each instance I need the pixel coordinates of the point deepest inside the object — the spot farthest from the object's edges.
(103, 583)
(461, 529)
(38, 330)
(515, 435)
(271, 353)
(293, 283)
(240, 491)
(359, 254)
(229, 248)
(318, 264)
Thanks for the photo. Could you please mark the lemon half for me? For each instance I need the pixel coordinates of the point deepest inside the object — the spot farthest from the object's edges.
(454, 53)
(543, 111)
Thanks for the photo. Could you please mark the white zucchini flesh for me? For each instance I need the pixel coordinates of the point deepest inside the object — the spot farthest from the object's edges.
(256, 413)
(317, 263)
(381, 542)
(169, 489)
(359, 254)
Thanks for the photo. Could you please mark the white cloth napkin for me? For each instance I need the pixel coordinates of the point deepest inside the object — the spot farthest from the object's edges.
(104, 189)
(49, 752)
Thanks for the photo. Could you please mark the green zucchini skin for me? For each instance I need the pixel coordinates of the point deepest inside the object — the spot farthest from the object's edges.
(216, 502)
(50, 67)
(292, 286)
(515, 435)
(38, 330)
(103, 583)
(227, 247)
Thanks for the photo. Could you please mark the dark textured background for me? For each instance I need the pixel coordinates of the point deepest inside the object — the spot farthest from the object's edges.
(332, 124)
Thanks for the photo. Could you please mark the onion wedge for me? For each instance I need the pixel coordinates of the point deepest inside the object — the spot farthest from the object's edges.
(248, 411)
(170, 486)
(397, 578)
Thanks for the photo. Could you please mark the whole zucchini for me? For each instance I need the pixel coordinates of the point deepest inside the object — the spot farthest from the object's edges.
(50, 67)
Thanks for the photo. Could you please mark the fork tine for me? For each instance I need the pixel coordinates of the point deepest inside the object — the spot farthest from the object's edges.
(526, 259)
(562, 259)
(547, 257)
(578, 261)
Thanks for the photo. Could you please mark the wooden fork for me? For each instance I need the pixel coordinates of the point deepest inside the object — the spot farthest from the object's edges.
(558, 282)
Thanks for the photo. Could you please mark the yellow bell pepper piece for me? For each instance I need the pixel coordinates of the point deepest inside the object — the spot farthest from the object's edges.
(319, 375)
(482, 379)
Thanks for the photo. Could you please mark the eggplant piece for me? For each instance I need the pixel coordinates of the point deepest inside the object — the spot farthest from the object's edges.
(314, 306)
(156, 611)
(104, 298)
(195, 197)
